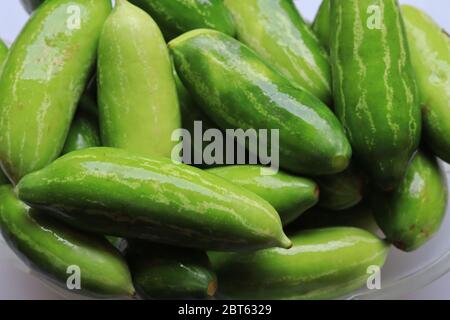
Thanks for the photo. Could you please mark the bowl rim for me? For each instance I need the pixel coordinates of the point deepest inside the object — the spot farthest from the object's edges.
(412, 282)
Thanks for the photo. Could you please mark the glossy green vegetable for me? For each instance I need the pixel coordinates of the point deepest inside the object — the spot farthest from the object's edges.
(166, 272)
(322, 264)
(360, 216)
(430, 53)
(238, 90)
(374, 87)
(115, 192)
(138, 104)
(288, 194)
(277, 32)
(321, 24)
(413, 213)
(43, 79)
(83, 133)
(343, 190)
(54, 250)
(31, 5)
(175, 17)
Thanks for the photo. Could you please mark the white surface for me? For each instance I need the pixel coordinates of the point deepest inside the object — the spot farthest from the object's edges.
(17, 284)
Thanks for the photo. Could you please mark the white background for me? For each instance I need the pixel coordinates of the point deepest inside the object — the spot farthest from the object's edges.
(15, 284)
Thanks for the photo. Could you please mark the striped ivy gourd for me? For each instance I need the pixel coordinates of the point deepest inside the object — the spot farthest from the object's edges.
(375, 93)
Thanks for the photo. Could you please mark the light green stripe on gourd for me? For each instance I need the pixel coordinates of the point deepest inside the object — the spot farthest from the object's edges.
(115, 192)
(411, 214)
(321, 24)
(43, 78)
(176, 17)
(138, 103)
(322, 264)
(375, 93)
(288, 194)
(277, 32)
(236, 89)
(430, 53)
(55, 249)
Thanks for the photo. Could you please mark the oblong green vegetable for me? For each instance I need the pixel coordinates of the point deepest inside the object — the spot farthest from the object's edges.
(175, 17)
(343, 190)
(83, 133)
(136, 90)
(374, 87)
(31, 5)
(430, 54)
(288, 194)
(43, 79)
(236, 89)
(322, 264)
(166, 272)
(55, 250)
(118, 193)
(321, 24)
(413, 213)
(277, 32)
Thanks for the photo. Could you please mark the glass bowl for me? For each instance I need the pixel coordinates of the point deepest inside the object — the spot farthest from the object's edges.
(404, 272)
